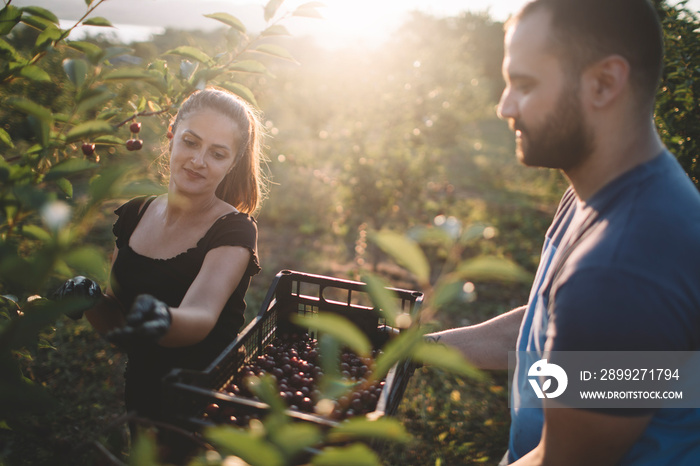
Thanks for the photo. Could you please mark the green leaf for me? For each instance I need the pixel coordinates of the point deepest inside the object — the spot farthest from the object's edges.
(94, 101)
(250, 448)
(35, 73)
(69, 167)
(308, 10)
(228, 20)
(275, 30)
(338, 327)
(446, 293)
(241, 91)
(312, 5)
(248, 66)
(87, 260)
(31, 108)
(111, 52)
(48, 35)
(65, 186)
(293, 438)
(446, 358)
(271, 9)
(5, 138)
(352, 455)
(126, 74)
(474, 232)
(76, 69)
(109, 140)
(396, 350)
(9, 17)
(382, 298)
(142, 104)
(87, 129)
(265, 389)
(37, 22)
(405, 252)
(190, 52)
(92, 52)
(145, 450)
(97, 21)
(275, 51)
(36, 232)
(7, 51)
(40, 118)
(107, 184)
(491, 268)
(363, 428)
(41, 12)
(430, 236)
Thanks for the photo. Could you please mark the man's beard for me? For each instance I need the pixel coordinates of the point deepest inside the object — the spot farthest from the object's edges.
(563, 141)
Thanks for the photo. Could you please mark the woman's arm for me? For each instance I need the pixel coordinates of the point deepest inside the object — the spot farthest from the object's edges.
(221, 272)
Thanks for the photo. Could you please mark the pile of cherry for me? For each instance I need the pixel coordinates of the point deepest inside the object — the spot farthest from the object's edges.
(294, 364)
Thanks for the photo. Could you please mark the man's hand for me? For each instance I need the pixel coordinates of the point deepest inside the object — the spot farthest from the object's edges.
(148, 319)
(79, 287)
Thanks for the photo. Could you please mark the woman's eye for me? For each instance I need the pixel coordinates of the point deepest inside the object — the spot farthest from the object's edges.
(190, 143)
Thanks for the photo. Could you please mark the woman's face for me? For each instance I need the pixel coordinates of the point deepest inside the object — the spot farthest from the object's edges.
(203, 150)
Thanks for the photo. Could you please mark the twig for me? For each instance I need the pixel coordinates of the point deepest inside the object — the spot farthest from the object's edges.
(107, 454)
(141, 114)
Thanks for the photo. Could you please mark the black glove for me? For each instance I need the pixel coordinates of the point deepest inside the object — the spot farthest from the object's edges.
(79, 287)
(148, 319)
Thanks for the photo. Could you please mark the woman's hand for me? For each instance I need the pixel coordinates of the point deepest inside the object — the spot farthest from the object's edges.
(148, 319)
(81, 288)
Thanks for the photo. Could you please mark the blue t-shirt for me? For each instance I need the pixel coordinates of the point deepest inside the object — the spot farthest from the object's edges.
(633, 283)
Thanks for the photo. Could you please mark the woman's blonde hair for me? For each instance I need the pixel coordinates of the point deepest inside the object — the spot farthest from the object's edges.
(245, 186)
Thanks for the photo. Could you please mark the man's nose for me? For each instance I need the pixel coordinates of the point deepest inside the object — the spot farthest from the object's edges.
(507, 106)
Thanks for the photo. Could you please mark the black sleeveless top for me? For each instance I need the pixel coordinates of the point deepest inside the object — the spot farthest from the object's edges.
(168, 280)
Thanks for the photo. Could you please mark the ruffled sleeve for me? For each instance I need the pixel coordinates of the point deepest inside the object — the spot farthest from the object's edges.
(236, 229)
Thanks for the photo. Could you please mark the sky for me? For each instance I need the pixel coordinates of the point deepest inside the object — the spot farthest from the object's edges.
(368, 22)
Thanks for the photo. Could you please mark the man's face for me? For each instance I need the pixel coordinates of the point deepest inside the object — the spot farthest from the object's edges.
(540, 101)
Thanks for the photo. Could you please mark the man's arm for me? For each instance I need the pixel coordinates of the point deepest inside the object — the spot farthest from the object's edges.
(486, 345)
(579, 437)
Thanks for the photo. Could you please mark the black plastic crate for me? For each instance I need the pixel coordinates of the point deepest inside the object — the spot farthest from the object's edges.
(187, 392)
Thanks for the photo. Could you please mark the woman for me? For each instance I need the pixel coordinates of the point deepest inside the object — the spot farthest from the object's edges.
(183, 260)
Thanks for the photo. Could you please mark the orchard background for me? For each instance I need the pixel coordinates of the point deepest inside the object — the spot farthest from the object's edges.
(398, 143)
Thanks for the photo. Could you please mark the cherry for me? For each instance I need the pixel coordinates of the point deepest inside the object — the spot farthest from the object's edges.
(135, 127)
(88, 149)
(134, 144)
(212, 409)
(292, 363)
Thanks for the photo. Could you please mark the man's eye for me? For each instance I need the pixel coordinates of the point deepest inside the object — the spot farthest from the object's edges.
(523, 87)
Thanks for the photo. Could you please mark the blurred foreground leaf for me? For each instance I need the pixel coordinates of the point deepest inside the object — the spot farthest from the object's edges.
(251, 448)
(492, 268)
(362, 428)
(339, 328)
(405, 251)
(384, 299)
(446, 358)
(352, 455)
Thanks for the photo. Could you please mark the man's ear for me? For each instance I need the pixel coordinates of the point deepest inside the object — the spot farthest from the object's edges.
(606, 80)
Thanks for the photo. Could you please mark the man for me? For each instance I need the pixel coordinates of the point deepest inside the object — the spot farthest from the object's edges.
(619, 269)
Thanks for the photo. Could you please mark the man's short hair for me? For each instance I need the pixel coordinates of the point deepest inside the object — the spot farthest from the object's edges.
(585, 31)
